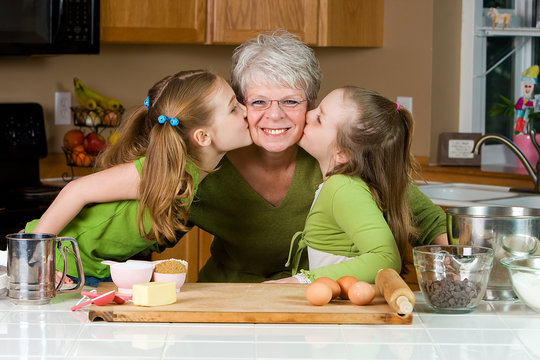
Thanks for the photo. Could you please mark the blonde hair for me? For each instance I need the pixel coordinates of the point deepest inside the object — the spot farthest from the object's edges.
(377, 140)
(166, 189)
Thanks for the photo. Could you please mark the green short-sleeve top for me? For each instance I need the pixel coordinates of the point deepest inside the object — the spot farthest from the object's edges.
(109, 231)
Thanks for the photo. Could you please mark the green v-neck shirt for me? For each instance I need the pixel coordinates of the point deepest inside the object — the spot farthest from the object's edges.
(252, 236)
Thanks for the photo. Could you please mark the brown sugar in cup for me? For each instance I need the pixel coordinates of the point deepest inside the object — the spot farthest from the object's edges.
(171, 266)
(171, 270)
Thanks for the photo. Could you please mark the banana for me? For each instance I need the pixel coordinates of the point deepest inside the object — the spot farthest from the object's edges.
(103, 101)
(85, 101)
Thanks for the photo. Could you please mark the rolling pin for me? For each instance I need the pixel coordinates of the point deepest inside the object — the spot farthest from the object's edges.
(395, 290)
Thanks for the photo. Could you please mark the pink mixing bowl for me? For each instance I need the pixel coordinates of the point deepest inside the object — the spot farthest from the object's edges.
(126, 274)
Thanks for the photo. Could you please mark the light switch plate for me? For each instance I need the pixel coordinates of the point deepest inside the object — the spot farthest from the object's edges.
(62, 108)
(405, 101)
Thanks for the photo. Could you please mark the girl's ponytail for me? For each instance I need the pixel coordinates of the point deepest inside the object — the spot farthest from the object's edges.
(163, 201)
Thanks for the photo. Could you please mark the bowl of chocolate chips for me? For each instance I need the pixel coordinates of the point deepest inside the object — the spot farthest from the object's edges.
(453, 278)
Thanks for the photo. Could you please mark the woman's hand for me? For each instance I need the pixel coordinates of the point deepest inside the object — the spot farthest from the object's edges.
(287, 280)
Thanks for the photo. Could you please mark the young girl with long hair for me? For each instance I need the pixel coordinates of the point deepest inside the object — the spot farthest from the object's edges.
(359, 222)
(141, 197)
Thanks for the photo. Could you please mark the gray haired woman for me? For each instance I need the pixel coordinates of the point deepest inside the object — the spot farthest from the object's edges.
(261, 194)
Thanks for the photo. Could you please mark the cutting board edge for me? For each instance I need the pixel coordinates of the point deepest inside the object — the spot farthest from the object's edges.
(117, 315)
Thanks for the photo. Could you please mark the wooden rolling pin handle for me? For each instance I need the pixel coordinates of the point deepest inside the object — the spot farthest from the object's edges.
(404, 305)
(395, 290)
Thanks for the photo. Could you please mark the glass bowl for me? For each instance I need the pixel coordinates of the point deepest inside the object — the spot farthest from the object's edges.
(524, 274)
(453, 278)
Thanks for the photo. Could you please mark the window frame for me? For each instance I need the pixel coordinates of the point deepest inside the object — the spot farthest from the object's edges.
(472, 97)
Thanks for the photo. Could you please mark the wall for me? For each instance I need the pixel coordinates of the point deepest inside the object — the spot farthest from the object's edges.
(446, 71)
(402, 67)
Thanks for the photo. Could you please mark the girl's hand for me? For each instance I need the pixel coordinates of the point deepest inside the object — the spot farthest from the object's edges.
(58, 276)
(287, 280)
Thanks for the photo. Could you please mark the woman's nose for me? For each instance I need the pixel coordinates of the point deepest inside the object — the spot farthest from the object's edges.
(275, 110)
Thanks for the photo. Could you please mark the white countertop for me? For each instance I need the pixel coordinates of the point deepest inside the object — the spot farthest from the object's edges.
(495, 330)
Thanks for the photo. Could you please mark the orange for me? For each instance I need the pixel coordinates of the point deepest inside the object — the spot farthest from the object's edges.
(80, 157)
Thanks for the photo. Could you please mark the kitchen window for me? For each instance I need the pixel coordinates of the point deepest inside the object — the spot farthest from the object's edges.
(492, 61)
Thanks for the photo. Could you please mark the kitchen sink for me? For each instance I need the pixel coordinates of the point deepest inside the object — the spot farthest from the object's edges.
(460, 194)
(532, 201)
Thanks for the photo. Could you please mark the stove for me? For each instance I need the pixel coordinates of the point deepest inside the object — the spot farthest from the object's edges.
(22, 143)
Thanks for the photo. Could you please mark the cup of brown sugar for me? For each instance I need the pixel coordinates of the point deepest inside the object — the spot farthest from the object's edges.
(171, 270)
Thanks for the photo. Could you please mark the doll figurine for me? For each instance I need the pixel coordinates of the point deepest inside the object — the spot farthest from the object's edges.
(525, 102)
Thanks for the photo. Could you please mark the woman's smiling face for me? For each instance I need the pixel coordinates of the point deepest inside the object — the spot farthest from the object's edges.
(278, 127)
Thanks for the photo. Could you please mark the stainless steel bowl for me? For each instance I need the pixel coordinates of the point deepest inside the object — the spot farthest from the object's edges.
(509, 231)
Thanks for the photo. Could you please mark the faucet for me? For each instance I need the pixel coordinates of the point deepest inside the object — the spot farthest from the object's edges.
(533, 173)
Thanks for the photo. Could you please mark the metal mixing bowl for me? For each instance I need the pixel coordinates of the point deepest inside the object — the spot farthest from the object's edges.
(509, 231)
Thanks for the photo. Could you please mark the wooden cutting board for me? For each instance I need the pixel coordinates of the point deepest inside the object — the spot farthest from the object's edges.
(248, 303)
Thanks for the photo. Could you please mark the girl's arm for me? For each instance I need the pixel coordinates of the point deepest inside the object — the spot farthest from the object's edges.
(120, 182)
(358, 216)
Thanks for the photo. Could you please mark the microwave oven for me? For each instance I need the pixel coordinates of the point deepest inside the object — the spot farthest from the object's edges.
(34, 27)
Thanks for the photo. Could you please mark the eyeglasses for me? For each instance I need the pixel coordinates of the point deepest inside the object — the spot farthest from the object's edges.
(284, 104)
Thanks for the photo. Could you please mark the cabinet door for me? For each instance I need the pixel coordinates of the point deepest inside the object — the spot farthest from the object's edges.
(234, 21)
(351, 23)
(153, 21)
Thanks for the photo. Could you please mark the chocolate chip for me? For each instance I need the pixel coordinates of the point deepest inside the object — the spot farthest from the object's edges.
(451, 293)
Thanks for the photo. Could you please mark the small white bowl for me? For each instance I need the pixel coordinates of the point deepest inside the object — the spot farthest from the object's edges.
(179, 278)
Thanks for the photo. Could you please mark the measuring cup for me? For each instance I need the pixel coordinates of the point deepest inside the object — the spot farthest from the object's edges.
(31, 267)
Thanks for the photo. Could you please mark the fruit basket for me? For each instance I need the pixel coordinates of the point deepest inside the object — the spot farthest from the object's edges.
(96, 118)
(79, 157)
(95, 113)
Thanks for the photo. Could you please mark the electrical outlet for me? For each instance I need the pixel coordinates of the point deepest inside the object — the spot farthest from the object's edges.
(62, 108)
(405, 101)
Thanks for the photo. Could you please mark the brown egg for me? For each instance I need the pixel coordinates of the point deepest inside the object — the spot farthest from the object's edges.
(361, 293)
(318, 293)
(332, 284)
(345, 283)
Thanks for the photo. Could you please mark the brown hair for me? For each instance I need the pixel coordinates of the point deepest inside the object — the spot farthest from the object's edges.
(166, 189)
(377, 141)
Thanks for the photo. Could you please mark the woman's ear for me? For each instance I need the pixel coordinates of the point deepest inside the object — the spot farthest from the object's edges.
(201, 137)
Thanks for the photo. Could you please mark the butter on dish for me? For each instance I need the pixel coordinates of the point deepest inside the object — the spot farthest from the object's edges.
(154, 293)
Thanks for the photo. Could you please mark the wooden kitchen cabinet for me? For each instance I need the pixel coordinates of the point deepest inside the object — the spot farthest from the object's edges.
(318, 22)
(153, 21)
(234, 21)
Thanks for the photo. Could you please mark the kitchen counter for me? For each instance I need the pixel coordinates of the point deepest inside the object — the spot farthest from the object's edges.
(495, 330)
(54, 166)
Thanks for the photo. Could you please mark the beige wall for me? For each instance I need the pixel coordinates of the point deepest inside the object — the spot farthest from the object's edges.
(402, 67)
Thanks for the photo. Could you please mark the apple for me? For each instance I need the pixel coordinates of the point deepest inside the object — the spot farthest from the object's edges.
(73, 138)
(94, 143)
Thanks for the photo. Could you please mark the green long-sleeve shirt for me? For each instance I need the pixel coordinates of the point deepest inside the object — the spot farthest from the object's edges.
(252, 237)
(346, 221)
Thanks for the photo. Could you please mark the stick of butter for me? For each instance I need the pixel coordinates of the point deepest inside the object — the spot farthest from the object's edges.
(154, 293)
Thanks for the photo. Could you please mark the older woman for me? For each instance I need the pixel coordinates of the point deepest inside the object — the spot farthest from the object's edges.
(261, 194)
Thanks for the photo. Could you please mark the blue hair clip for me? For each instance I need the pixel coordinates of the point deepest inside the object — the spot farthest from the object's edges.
(147, 102)
(162, 118)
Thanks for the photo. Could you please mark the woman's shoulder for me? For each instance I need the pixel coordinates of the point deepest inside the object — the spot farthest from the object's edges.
(345, 182)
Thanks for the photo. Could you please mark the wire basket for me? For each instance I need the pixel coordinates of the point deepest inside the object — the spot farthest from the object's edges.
(96, 118)
(79, 157)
